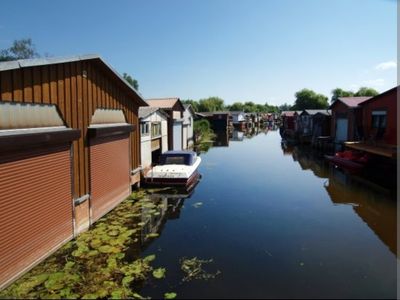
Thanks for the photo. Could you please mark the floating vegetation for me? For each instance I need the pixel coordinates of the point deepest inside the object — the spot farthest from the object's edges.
(170, 295)
(94, 264)
(152, 235)
(159, 273)
(193, 269)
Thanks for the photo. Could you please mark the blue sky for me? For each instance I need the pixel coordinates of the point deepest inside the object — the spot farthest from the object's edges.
(253, 50)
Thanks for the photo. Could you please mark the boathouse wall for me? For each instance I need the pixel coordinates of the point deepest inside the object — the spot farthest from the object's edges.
(385, 102)
(59, 178)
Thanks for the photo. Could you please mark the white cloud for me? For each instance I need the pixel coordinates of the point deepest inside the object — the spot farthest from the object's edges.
(386, 65)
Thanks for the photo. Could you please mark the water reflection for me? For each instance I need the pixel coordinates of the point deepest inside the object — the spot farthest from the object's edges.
(374, 203)
(221, 138)
(274, 221)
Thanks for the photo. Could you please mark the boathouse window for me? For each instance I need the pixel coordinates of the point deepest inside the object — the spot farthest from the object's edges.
(144, 128)
(378, 119)
(155, 129)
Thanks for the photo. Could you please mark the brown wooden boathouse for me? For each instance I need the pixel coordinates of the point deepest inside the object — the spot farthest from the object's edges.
(69, 153)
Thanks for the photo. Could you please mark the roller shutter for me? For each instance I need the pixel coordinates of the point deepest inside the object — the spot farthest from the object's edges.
(36, 212)
(109, 173)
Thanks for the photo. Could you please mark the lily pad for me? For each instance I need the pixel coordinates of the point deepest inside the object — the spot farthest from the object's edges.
(170, 295)
(109, 249)
(159, 273)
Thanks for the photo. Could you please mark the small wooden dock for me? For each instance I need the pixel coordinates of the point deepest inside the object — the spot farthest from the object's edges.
(378, 149)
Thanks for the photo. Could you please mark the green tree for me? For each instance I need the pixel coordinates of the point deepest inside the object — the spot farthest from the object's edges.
(338, 92)
(271, 108)
(211, 104)
(366, 92)
(133, 82)
(308, 99)
(20, 49)
(237, 106)
(285, 107)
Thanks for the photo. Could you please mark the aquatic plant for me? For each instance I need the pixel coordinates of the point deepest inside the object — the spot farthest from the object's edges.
(170, 295)
(94, 265)
(193, 269)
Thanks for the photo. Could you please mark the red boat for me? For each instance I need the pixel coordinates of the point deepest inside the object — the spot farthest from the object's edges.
(353, 161)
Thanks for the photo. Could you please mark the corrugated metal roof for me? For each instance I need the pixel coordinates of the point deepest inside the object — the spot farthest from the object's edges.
(145, 111)
(24, 63)
(352, 101)
(326, 112)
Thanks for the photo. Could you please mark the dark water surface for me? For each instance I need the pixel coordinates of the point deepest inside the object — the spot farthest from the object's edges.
(277, 224)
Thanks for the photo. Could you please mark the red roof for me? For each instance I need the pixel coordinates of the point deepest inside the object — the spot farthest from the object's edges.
(288, 113)
(353, 101)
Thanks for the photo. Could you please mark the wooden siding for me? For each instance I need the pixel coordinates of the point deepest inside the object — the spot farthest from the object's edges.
(386, 102)
(77, 88)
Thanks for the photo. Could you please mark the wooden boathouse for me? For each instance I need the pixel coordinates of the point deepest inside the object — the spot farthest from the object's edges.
(175, 109)
(69, 153)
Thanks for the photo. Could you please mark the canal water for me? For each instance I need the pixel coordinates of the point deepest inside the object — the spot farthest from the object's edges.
(275, 222)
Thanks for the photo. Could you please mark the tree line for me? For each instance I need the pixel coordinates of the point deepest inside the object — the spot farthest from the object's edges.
(304, 99)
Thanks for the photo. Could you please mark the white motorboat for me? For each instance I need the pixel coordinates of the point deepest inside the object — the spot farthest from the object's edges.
(176, 168)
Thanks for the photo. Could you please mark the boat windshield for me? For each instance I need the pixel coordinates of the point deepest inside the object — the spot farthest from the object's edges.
(177, 158)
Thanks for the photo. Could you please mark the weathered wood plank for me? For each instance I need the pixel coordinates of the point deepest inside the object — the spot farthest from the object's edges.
(6, 86)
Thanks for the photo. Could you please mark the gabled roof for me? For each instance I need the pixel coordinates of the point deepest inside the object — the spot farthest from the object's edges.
(145, 111)
(288, 113)
(381, 94)
(211, 113)
(189, 107)
(166, 103)
(351, 102)
(34, 62)
(312, 112)
(237, 112)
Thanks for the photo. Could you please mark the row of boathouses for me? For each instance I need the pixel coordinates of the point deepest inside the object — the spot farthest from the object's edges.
(74, 138)
(363, 123)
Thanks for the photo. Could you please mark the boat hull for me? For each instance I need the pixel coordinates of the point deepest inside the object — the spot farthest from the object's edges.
(182, 182)
(351, 166)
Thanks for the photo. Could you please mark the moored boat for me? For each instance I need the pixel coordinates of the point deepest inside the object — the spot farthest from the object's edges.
(176, 168)
(350, 160)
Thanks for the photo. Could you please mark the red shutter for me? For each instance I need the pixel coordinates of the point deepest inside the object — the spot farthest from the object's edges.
(109, 174)
(35, 207)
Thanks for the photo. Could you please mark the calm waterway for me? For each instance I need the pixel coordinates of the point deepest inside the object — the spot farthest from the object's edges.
(277, 223)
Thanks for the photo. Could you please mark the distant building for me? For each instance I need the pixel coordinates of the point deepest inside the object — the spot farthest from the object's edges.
(239, 119)
(307, 128)
(346, 123)
(175, 109)
(187, 132)
(219, 120)
(153, 135)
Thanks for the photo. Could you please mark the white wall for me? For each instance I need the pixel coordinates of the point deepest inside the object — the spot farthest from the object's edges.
(236, 118)
(188, 123)
(145, 141)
